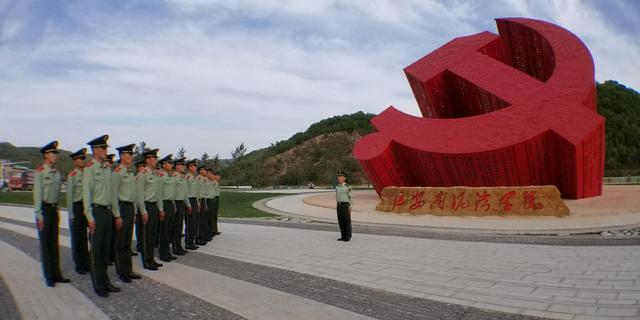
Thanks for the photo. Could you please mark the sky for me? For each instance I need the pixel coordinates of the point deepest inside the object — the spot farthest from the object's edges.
(208, 75)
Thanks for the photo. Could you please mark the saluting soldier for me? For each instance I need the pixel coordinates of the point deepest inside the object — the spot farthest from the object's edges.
(96, 187)
(201, 236)
(149, 202)
(168, 190)
(46, 193)
(216, 202)
(181, 200)
(344, 202)
(75, 209)
(191, 219)
(139, 225)
(123, 201)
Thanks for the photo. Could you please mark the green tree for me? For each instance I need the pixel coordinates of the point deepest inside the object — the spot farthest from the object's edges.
(239, 152)
(181, 153)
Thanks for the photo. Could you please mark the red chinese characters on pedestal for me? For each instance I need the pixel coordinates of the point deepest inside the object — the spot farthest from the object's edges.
(483, 201)
(517, 109)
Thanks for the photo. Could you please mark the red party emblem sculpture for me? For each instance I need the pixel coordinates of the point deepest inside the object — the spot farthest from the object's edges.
(516, 109)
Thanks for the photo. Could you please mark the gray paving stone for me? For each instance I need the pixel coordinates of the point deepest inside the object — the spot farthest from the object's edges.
(555, 292)
(597, 294)
(584, 317)
(8, 307)
(548, 314)
(573, 240)
(629, 295)
(505, 288)
(143, 299)
(629, 312)
(572, 308)
(622, 302)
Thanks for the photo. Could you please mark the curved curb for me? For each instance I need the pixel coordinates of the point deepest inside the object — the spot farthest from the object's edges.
(580, 237)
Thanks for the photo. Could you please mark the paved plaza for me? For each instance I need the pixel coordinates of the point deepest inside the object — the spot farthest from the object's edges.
(279, 270)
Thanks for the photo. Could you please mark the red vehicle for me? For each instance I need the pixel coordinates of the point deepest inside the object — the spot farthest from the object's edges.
(21, 180)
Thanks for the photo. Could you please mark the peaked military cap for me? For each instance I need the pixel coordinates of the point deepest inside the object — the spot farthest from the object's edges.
(179, 161)
(126, 149)
(151, 153)
(99, 141)
(342, 173)
(110, 157)
(192, 162)
(202, 167)
(166, 159)
(50, 147)
(80, 154)
(140, 163)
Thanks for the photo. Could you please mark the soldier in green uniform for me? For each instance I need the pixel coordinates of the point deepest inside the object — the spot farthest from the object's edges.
(148, 196)
(344, 202)
(139, 225)
(168, 190)
(96, 197)
(191, 219)
(210, 205)
(75, 209)
(108, 162)
(46, 193)
(123, 203)
(181, 201)
(201, 236)
(216, 202)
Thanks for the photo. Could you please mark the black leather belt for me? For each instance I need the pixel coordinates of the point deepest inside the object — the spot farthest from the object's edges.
(49, 204)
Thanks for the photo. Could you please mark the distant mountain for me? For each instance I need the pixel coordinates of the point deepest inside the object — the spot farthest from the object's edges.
(32, 155)
(310, 156)
(621, 106)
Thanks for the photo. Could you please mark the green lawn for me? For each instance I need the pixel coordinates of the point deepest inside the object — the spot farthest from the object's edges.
(232, 204)
(235, 204)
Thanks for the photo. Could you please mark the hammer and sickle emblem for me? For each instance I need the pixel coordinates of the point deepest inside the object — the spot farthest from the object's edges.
(516, 109)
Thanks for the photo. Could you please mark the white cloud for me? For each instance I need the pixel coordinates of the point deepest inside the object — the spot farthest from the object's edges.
(205, 78)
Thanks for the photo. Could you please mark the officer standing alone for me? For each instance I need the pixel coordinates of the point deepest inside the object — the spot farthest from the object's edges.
(344, 202)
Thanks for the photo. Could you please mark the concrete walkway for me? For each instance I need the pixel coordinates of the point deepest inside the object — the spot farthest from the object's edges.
(560, 282)
(36, 301)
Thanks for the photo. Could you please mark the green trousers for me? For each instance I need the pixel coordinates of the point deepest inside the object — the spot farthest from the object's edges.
(101, 247)
(49, 249)
(123, 239)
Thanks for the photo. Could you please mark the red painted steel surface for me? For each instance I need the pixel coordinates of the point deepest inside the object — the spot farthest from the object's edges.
(510, 110)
